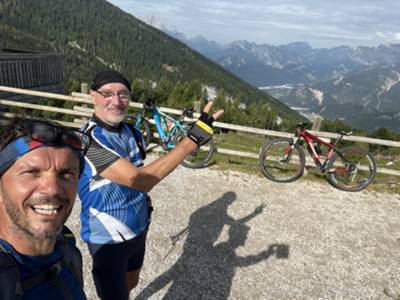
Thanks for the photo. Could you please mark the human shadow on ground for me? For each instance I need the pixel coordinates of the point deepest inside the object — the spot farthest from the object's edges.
(205, 270)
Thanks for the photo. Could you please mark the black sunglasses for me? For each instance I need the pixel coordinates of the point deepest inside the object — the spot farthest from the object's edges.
(52, 134)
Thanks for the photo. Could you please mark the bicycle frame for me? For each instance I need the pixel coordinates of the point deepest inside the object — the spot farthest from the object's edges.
(165, 130)
(310, 139)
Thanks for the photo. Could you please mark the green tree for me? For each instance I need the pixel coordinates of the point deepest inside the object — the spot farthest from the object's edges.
(72, 85)
(162, 91)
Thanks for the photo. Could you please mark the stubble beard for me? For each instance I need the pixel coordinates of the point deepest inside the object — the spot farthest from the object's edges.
(21, 224)
(115, 120)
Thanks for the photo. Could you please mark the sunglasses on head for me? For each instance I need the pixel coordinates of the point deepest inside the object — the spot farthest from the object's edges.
(52, 134)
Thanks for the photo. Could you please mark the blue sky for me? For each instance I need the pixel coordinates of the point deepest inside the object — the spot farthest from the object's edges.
(321, 23)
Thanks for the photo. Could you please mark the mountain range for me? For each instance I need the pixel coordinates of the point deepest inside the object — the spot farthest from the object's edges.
(94, 35)
(360, 86)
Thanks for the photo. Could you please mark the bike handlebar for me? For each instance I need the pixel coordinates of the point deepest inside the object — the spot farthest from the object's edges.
(149, 105)
(303, 125)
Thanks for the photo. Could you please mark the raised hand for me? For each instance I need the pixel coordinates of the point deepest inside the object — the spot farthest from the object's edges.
(259, 209)
(202, 131)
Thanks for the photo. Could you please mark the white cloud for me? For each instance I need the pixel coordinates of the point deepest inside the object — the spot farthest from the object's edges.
(321, 23)
(389, 36)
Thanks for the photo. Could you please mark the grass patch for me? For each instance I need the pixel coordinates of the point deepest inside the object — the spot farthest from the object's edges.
(240, 142)
(235, 163)
(388, 162)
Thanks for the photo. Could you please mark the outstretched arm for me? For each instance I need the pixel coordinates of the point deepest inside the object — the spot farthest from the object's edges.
(144, 179)
(280, 251)
(256, 212)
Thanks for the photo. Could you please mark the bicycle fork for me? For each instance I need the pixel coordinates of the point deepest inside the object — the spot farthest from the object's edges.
(287, 154)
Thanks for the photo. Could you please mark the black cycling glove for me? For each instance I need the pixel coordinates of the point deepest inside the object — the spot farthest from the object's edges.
(201, 131)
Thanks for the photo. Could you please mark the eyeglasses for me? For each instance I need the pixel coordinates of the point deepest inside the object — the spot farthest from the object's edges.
(51, 134)
(124, 95)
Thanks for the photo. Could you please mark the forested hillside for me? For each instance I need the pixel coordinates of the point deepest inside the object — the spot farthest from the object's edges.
(94, 35)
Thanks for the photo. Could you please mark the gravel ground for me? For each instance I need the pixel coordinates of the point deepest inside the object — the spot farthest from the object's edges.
(227, 235)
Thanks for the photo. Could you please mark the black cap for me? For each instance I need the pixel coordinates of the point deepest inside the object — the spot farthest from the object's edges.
(109, 76)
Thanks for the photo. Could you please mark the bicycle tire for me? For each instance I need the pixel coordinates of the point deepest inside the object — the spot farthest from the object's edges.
(277, 166)
(200, 157)
(344, 170)
(144, 127)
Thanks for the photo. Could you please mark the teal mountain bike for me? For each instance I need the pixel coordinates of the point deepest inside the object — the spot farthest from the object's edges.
(171, 131)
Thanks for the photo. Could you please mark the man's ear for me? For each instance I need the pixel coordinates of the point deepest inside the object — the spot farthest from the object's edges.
(93, 95)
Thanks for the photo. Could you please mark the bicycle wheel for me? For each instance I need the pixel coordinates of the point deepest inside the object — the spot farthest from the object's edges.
(351, 169)
(200, 157)
(281, 161)
(144, 127)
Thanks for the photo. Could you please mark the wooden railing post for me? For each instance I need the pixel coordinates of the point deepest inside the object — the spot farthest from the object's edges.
(84, 88)
(197, 106)
(317, 122)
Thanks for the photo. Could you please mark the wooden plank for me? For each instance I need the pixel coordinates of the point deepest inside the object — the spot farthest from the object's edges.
(87, 110)
(42, 107)
(44, 94)
(81, 95)
(64, 123)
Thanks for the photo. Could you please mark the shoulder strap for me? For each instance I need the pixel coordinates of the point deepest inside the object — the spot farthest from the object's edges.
(72, 257)
(10, 278)
(138, 138)
(50, 275)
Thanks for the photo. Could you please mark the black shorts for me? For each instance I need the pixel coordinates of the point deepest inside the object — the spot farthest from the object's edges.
(111, 262)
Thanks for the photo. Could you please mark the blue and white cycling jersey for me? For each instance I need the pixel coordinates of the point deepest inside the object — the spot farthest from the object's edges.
(111, 212)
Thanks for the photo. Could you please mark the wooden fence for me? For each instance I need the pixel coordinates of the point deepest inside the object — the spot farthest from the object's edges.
(83, 111)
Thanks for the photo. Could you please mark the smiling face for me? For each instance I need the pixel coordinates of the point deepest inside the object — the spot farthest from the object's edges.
(111, 110)
(37, 193)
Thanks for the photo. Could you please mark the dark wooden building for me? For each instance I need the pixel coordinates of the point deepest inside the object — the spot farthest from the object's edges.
(34, 70)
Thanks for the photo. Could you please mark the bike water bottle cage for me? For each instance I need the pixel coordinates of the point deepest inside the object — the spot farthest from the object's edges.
(201, 131)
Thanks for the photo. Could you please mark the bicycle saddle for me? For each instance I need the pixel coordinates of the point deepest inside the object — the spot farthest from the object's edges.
(345, 132)
(303, 125)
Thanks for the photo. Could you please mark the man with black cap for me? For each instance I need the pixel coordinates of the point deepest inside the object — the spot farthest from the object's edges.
(114, 186)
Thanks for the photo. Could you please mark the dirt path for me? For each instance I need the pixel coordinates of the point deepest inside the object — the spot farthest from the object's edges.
(226, 235)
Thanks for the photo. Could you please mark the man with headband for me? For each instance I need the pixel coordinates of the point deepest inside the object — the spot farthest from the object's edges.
(40, 165)
(114, 186)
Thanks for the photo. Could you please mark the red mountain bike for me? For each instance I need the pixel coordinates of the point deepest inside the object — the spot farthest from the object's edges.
(350, 169)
